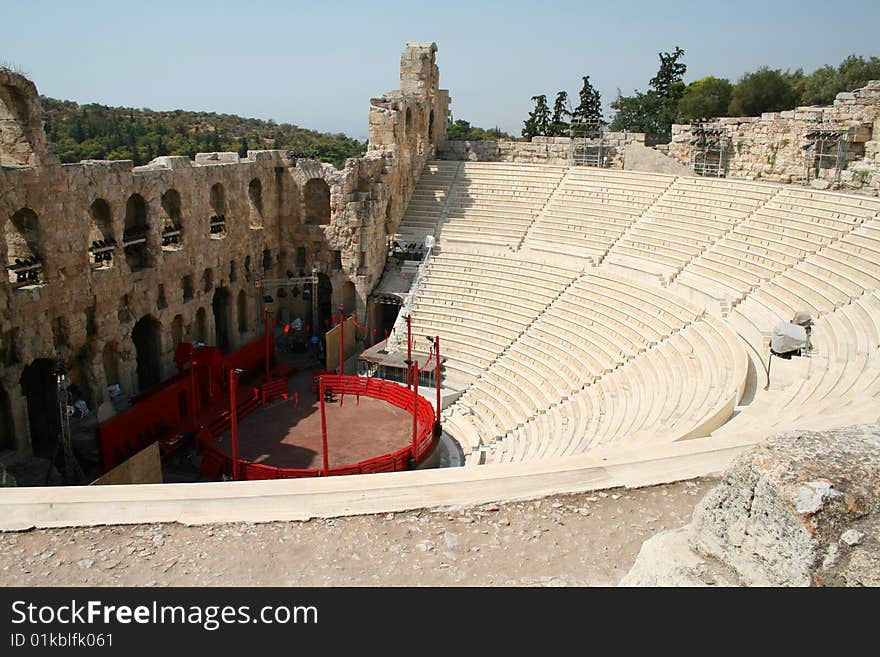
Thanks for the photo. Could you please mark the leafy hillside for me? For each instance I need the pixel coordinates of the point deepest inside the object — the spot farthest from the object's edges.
(96, 132)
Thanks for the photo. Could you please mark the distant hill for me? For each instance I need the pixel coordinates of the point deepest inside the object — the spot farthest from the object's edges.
(97, 132)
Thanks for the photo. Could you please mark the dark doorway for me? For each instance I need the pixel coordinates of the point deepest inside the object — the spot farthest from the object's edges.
(220, 306)
(146, 337)
(325, 303)
(201, 326)
(242, 313)
(39, 388)
(7, 435)
(349, 298)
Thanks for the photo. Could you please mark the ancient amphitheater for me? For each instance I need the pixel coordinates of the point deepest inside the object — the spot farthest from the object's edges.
(600, 326)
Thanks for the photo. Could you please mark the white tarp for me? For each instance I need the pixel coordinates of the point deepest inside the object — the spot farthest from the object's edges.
(788, 337)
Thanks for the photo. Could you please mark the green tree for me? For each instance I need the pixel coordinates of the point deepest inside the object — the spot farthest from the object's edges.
(559, 122)
(765, 90)
(668, 81)
(823, 84)
(704, 98)
(538, 122)
(243, 147)
(589, 109)
(640, 112)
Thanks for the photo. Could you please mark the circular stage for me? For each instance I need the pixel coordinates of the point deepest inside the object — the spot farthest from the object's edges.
(369, 427)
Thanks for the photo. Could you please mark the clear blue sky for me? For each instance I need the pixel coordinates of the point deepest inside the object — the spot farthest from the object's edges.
(317, 63)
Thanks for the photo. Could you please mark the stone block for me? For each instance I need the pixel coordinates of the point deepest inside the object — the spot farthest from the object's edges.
(781, 510)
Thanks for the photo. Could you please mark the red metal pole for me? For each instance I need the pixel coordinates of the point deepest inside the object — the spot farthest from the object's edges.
(437, 428)
(266, 338)
(408, 343)
(323, 427)
(233, 423)
(415, 378)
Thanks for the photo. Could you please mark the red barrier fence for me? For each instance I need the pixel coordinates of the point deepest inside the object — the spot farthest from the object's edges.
(178, 405)
(216, 462)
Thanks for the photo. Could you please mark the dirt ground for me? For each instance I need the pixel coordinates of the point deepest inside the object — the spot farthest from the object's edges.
(587, 539)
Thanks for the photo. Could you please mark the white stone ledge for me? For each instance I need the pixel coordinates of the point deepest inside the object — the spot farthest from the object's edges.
(300, 499)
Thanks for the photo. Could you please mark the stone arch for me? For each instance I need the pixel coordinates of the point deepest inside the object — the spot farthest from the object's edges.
(146, 335)
(7, 432)
(110, 363)
(349, 298)
(220, 306)
(201, 326)
(137, 254)
(255, 200)
(242, 313)
(22, 140)
(39, 388)
(22, 233)
(317, 200)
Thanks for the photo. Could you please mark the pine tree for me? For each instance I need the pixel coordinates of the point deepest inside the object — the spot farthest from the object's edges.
(589, 110)
(538, 122)
(559, 123)
(667, 83)
(243, 147)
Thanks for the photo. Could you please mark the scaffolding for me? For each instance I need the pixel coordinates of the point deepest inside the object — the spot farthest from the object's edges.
(587, 145)
(710, 146)
(824, 149)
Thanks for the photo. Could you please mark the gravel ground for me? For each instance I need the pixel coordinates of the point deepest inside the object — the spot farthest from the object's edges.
(588, 539)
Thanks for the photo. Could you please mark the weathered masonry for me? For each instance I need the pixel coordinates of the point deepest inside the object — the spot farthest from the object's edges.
(109, 266)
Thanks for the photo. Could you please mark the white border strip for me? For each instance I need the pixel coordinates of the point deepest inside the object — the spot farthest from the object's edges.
(301, 499)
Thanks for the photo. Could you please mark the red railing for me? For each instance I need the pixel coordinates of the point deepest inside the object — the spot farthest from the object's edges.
(216, 462)
(180, 404)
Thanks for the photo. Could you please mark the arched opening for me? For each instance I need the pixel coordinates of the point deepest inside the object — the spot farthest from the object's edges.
(242, 313)
(22, 233)
(177, 330)
(409, 121)
(101, 242)
(208, 280)
(201, 326)
(7, 435)
(317, 198)
(431, 127)
(110, 363)
(383, 315)
(325, 302)
(220, 306)
(255, 199)
(137, 254)
(146, 336)
(267, 260)
(172, 231)
(349, 298)
(40, 390)
(218, 206)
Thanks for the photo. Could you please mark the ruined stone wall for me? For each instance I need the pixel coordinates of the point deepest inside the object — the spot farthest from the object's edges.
(771, 147)
(540, 150)
(281, 216)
